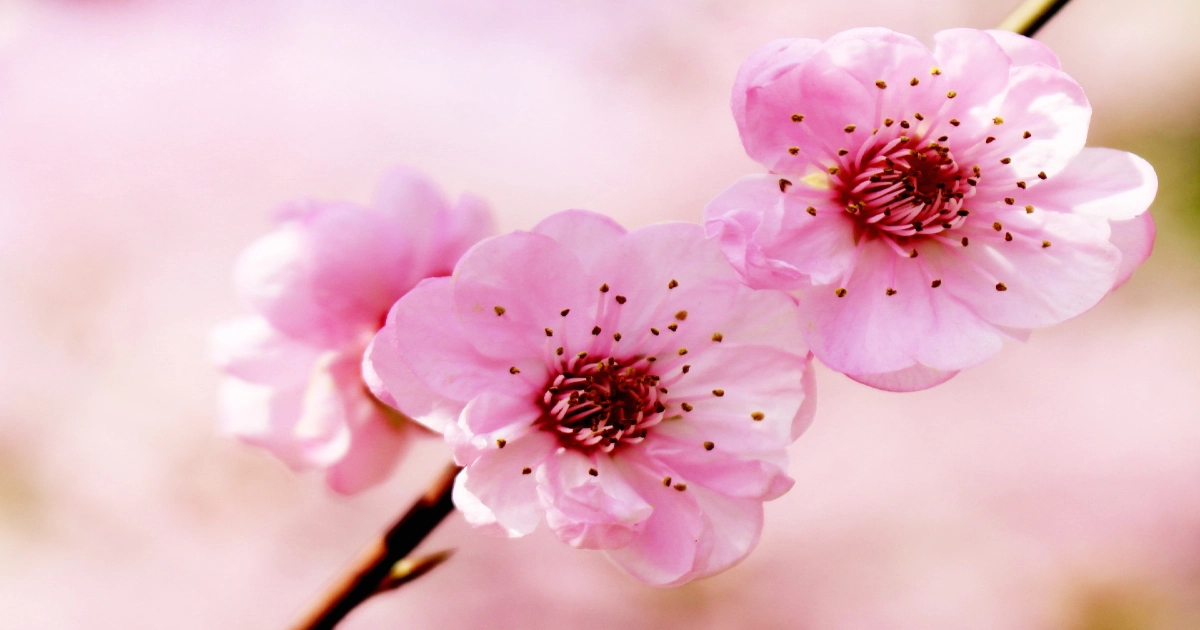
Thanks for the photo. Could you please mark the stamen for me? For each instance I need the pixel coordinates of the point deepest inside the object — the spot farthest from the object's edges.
(717, 337)
(757, 416)
(499, 310)
(672, 284)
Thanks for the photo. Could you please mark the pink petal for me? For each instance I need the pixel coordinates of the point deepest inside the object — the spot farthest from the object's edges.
(719, 470)
(422, 404)
(1108, 183)
(808, 409)
(586, 234)
(910, 379)
(674, 539)
(763, 67)
(495, 495)
(736, 525)
(459, 227)
(376, 446)
(327, 273)
(975, 67)
(250, 349)
(766, 318)
(771, 238)
(875, 54)
(423, 332)
(1135, 238)
(1024, 50)
(490, 420)
(510, 288)
(590, 511)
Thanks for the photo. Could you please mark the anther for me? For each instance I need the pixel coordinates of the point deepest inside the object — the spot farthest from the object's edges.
(659, 407)
(593, 472)
(672, 326)
(1000, 287)
(672, 284)
(904, 124)
(951, 94)
(616, 336)
(989, 140)
(708, 446)
(946, 226)
(1008, 236)
(887, 122)
(757, 416)
(1028, 209)
(718, 392)
(841, 292)
(962, 213)
(998, 121)
(935, 284)
(797, 117)
(1009, 200)
(686, 406)
(881, 84)
(514, 370)
(526, 470)
(685, 369)
(965, 241)
(595, 330)
(890, 291)
(620, 299)
(500, 442)
(564, 312)
(604, 288)
(1045, 244)
(843, 151)
(654, 331)
(667, 482)
(850, 128)
(1006, 160)
(682, 351)
(904, 139)
(499, 310)
(1021, 185)
(913, 254)
(914, 81)
(718, 337)
(1042, 175)
(918, 226)
(793, 150)
(681, 315)
(1027, 135)
(811, 210)
(918, 116)
(943, 138)
(996, 226)
(833, 170)
(558, 351)
(680, 486)
(783, 184)
(954, 121)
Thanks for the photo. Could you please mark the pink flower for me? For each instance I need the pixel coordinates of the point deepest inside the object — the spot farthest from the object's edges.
(626, 386)
(322, 283)
(927, 205)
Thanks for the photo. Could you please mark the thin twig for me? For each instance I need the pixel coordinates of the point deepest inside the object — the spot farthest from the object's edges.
(1031, 16)
(371, 572)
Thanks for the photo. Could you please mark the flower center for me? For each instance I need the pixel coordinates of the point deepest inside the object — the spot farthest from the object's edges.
(599, 405)
(903, 187)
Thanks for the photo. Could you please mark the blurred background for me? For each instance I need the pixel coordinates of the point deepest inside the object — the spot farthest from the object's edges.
(143, 144)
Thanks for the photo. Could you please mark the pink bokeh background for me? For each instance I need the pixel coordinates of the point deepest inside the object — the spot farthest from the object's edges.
(143, 145)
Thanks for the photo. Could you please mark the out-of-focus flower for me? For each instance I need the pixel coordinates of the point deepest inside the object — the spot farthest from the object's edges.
(625, 385)
(322, 283)
(928, 205)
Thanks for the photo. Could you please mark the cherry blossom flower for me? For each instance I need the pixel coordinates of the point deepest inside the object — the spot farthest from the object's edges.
(625, 386)
(322, 283)
(926, 204)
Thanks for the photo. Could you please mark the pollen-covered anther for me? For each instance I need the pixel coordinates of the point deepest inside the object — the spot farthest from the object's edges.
(672, 284)
(890, 291)
(680, 486)
(604, 288)
(989, 139)
(682, 351)
(1021, 185)
(996, 226)
(966, 241)
(797, 117)
(501, 442)
(718, 337)
(672, 327)
(667, 482)
(549, 332)
(1009, 200)
(558, 351)
(998, 121)
(654, 331)
(718, 392)
(757, 416)
(783, 184)
(620, 299)
(951, 94)
(794, 150)
(850, 128)
(564, 312)
(514, 370)
(955, 122)
(1000, 286)
(681, 315)
(935, 284)
(881, 84)
(1028, 209)
(685, 369)
(593, 472)
(912, 254)
(595, 330)
(904, 124)
(1008, 236)
(833, 170)
(914, 81)
(499, 310)
(840, 292)
(1042, 175)
(843, 152)
(811, 210)
(526, 470)
(708, 446)
(616, 336)
(1045, 244)
(1006, 160)
(888, 122)
(686, 406)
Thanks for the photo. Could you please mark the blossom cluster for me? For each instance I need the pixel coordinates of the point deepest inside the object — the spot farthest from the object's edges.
(637, 390)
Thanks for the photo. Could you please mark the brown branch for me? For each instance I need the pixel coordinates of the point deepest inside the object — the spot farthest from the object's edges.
(373, 569)
(1031, 16)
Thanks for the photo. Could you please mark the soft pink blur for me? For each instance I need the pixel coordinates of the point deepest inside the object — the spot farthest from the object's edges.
(143, 144)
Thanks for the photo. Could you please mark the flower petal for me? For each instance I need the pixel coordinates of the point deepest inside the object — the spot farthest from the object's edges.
(913, 378)
(1108, 183)
(495, 495)
(376, 446)
(1135, 238)
(589, 511)
(490, 421)
(1025, 50)
(587, 234)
